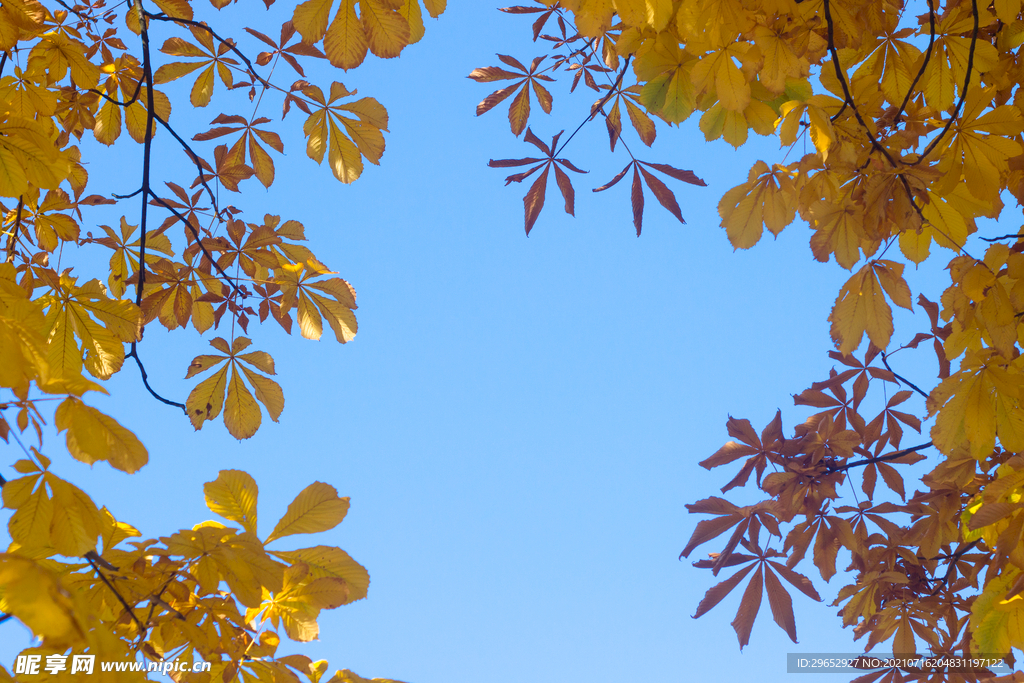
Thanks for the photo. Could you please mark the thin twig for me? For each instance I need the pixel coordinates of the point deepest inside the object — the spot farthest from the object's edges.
(113, 590)
(963, 91)
(12, 239)
(895, 374)
(195, 159)
(944, 581)
(927, 57)
(881, 458)
(229, 43)
(1004, 237)
(597, 107)
(134, 353)
(230, 280)
(875, 145)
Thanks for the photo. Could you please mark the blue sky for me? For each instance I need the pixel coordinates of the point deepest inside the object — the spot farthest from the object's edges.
(519, 421)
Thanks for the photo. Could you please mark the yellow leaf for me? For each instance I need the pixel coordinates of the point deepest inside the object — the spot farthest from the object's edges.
(232, 495)
(317, 508)
(30, 525)
(387, 31)
(860, 308)
(435, 7)
(310, 19)
(34, 595)
(93, 436)
(268, 392)
(241, 413)
(202, 89)
(327, 561)
(76, 522)
(345, 43)
(731, 86)
(207, 399)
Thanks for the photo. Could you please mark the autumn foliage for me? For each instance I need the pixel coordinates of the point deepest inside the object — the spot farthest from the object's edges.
(183, 254)
(900, 125)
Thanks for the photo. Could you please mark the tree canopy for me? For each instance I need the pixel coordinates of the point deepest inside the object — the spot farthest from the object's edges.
(183, 255)
(914, 120)
(913, 114)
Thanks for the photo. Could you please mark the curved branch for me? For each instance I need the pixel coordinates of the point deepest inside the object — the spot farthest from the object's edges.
(229, 43)
(230, 280)
(89, 558)
(12, 239)
(963, 91)
(134, 353)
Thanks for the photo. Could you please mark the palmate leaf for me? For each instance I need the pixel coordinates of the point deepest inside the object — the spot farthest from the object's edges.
(227, 390)
(533, 202)
(519, 110)
(664, 195)
(382, 27)
(213, 60)
(766, 578)
(348, 143)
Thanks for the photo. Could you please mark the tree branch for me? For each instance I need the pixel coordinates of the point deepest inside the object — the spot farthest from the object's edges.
(881, 458)
(848, 99)
(927, 57)
(199, 241)
(597, 107)
(12, 239)
(963, 91)
(134, 353)
(89, 558)
(147, 149)
(885, 361)
(229, 43)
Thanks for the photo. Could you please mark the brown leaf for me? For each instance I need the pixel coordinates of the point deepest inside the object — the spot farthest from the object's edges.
(637, 200)
(708, 529)
(533, 202)
(519, 111)
(565, 185)
(685, 176)
(491, 101)
(798, 581)
(781, 603)
(717, 592)
(664, 195)
(749, 606)
(619, 176)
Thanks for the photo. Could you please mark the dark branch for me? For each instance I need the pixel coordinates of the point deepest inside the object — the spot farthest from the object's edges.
(147, 149)
(952, 565)
(89, 558)
(229, 43)
(927, 57)
(963, 91)
(885, 361)
(199, 241)
(1004, 237)
(848, 99)
(12, 239)
(145, 380)
(597, 107)
(195, 159)
(881, 458)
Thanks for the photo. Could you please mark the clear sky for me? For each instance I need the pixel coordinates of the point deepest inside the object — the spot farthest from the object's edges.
(519, 421)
